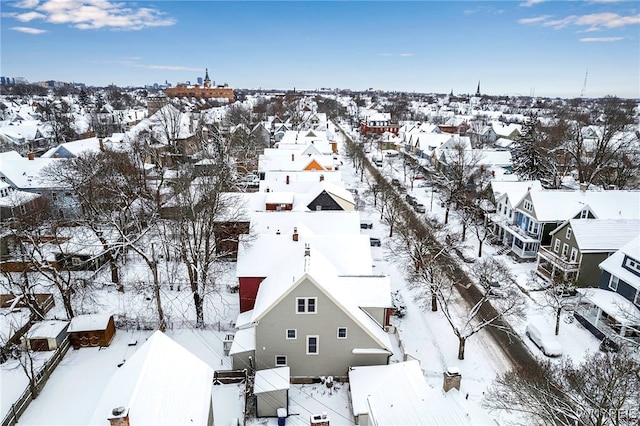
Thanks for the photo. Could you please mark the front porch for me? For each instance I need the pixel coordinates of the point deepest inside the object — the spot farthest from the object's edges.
(522, 244)
(552, 267)
(609, 315)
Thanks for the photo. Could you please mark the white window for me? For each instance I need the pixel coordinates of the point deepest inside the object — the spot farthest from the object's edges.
(313, 345)
(533, 227)
(292, 334)
(342, 332)
(281, 360)
(613, 283)
(306, 305)
(528, 206)
(574, 255)
(584, 214)
(565, 250)
(568, 233)
(556, 246)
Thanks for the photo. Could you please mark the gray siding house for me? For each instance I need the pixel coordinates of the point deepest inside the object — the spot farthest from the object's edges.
(318, 323)
(578, 246)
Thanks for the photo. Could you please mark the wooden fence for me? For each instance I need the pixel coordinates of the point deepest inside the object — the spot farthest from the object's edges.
(19, 407)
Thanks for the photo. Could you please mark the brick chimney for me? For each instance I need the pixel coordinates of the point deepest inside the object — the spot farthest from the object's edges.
(293, 157)
(31, 156)
(321, 178)
(451, 378)
(101, 144)
(120, 417)
(295, 234)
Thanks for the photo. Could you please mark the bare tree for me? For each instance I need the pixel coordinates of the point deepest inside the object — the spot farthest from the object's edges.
(391, 208)
(490, 309)
(606, 144)
(603, 390)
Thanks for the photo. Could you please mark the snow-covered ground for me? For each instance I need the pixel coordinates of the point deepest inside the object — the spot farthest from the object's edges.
(76, 385)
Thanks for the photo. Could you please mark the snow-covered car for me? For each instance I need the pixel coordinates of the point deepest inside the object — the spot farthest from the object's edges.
(375, 242)
(548, 344)
(419, 208)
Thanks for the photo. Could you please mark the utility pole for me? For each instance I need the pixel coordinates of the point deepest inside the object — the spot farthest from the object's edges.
(584, 85)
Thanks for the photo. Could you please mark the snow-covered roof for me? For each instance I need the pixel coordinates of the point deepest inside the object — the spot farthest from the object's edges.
(47, 329)
(613, 264)
(397, 394)
(562, 205)
(89, 322)
(613, 304)
(322, 222)
(23, 173)
(603, 234)
(317, 269)
(349, 253)
(244, 340)
(273, 379)
(514, 191)
(162, 383)
(276, 179)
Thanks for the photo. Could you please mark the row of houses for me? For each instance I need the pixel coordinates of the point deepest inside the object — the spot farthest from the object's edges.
(589, 239)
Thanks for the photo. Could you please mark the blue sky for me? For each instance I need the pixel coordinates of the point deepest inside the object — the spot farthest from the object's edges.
(511, 47)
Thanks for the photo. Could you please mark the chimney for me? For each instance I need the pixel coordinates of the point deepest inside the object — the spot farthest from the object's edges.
(319, 420)
(56, 155)
(293, 157)
(278, 232)
(287, 180)
(295, 234)
(583, 187)
(120, 417)
(452, 379)
(321, 178)
(307, 250)
(31, 156)
(101, 144)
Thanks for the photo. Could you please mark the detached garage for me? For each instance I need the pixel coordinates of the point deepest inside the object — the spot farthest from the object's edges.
(45, 335)
(91, 330)
(271, 388)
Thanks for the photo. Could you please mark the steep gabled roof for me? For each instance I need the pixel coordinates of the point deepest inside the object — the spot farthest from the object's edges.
(162, 383)
(316, 269)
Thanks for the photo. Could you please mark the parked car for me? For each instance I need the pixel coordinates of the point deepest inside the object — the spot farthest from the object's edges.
(395, 182)
(419, 208)
(375, 242)
(378, 162)
(366, 224)
(410, 199)
(547, 343)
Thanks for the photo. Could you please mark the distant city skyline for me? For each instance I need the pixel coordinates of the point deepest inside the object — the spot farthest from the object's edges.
(531, 47)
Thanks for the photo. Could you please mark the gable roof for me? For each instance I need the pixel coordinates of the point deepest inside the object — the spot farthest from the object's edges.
(162, 383)
(601, 235)
(554, 205)
(613, 264)
(315, 268)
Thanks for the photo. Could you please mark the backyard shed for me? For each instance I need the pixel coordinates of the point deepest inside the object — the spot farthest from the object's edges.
(91, 330)
(45, 335)
(271, 388)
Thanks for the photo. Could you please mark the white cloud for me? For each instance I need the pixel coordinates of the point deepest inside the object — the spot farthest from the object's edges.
(402, 55)
(600, 39)
(29, 16)
(534, 20)
(29, 30)
(593, 22)
(530, 3)
(93, 14)
(406, 54)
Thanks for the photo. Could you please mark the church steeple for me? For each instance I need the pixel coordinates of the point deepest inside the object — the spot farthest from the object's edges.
(478, 91)
(207, 80)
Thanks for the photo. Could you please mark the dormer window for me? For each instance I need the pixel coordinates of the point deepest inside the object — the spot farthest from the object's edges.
(584, 214)
(528, 205)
